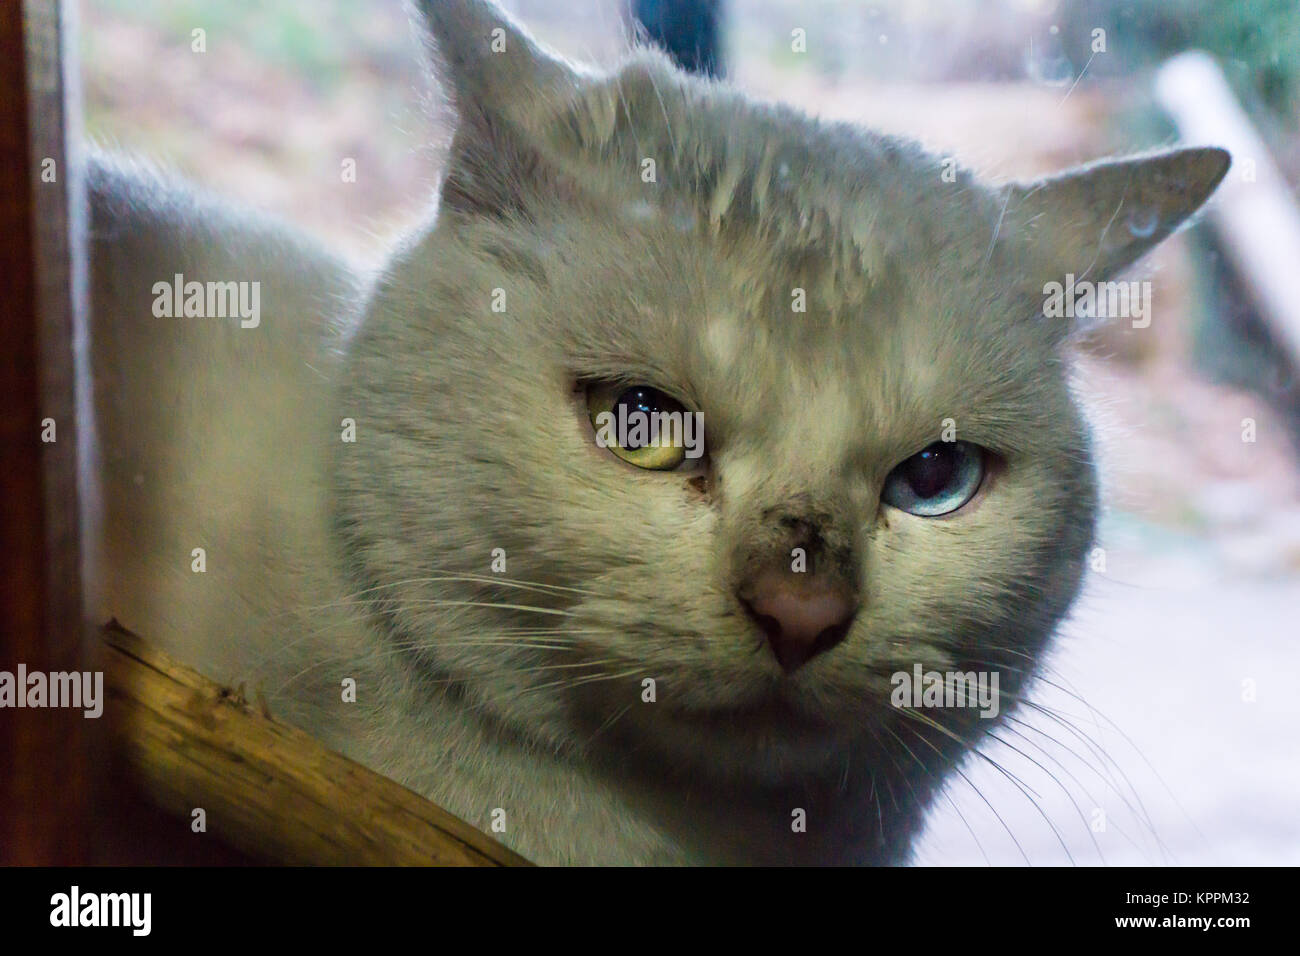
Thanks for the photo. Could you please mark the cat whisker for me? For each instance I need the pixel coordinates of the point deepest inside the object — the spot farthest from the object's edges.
(494, 579)
(585, 680)
(1065, 790)
(449, 602)
(356, 601)
(356, 597)
(343, 660)
(499, 605)
(1095, 750)
(609, 722)
(1033, 797)
(1106, 763)
(1101, 240)
(511, 641)
(941, 789)
(897, 768)
(956, 768)
(668, 123)
(997, 229)
(880, 813)
(1128, 740)
(1064, 769)
(627, 111)
(422, 645)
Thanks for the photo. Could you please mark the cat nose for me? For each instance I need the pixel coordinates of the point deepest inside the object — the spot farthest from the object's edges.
(800, 619)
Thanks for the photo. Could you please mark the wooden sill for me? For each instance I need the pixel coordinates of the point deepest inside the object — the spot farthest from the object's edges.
(268, 790)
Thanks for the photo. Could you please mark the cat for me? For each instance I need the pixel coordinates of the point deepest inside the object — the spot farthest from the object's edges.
(623, 653)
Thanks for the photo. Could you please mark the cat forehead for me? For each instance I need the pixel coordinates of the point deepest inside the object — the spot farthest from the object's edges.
(660, 272)
(844, 202)
(656, 286)
(822, 377)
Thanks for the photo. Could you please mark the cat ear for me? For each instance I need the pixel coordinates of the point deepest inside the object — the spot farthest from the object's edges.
(1095, 220)
(493, 66)
(530, 123)
(510, 93)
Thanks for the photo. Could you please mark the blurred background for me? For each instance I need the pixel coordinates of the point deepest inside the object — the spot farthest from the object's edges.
(1165, 728)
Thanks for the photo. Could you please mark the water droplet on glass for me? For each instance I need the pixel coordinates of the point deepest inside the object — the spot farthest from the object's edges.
(641, 211)
(1142, 221)
(883, 39)
(1280, 378)
(783, 176)
(684, 221)
(1046, 62)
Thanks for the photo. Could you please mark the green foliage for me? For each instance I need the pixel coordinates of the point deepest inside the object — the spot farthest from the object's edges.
(1257, 42)
(315, 39)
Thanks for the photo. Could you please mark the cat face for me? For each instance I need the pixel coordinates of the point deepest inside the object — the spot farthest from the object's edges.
(892, 472)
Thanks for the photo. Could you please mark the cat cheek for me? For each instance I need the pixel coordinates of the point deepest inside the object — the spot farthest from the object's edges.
(700, 488)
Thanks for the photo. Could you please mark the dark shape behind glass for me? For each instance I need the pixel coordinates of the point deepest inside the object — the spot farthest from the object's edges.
(687, 30)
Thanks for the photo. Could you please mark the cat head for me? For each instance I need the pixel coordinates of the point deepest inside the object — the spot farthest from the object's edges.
(892, 469)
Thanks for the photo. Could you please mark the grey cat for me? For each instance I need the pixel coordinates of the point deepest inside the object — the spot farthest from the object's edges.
(631, 653)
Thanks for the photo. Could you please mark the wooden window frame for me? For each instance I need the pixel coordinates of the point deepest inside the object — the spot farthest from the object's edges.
(122, 789)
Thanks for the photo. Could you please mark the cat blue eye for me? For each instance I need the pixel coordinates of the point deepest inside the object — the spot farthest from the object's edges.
(936, 480)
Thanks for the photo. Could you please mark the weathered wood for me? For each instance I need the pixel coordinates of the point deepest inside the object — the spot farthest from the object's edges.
(1254, 210)
(271, 790)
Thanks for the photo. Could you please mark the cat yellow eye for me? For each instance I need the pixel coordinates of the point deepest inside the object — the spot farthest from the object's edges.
(639, 424)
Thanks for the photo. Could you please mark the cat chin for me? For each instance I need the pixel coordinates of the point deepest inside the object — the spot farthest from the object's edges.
(764, 754)
(768, 740)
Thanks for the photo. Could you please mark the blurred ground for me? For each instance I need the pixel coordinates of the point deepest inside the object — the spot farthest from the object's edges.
(1202, 537)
